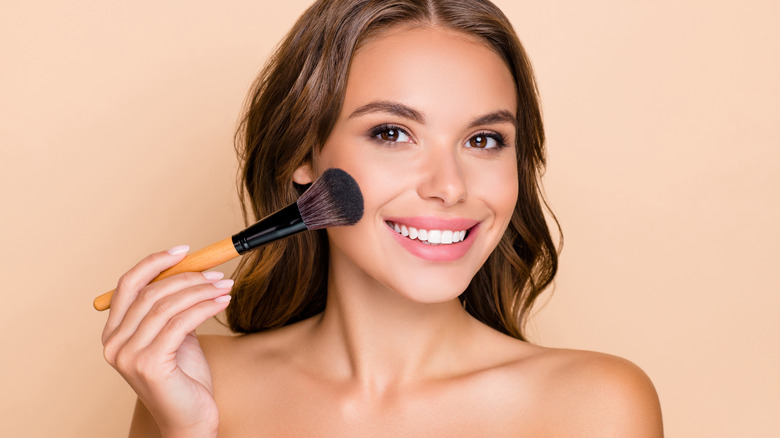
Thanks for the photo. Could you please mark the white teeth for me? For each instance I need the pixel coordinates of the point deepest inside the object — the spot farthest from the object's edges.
(434, 237)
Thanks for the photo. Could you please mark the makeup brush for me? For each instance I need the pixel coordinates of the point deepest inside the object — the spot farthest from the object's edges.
(333, 200)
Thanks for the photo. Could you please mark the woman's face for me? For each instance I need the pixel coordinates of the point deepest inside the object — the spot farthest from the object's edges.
(427, 130)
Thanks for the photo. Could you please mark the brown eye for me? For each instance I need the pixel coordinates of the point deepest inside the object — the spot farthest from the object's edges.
(485, 141)
(478, 141)
(389, 135)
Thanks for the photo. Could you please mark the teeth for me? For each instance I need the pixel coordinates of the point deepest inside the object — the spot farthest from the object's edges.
(434, 237)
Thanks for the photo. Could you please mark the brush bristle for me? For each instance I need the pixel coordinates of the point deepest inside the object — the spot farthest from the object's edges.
(333, 200)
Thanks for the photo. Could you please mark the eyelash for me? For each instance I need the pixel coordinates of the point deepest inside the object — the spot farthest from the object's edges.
(500, 140)
(376, 131)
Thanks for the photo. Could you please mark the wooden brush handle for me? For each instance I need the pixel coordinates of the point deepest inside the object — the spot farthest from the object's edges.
(200, 260)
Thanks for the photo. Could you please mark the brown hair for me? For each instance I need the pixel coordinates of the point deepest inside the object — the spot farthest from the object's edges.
(291, 110)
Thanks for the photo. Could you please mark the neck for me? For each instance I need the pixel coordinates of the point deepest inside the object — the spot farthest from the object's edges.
(379, 339)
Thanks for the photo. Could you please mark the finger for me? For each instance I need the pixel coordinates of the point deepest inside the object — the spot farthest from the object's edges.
(177, 328)
(173, 307)
(154, 298)
(135, 279)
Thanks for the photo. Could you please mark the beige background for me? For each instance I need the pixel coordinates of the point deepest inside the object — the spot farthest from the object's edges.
(116, 124)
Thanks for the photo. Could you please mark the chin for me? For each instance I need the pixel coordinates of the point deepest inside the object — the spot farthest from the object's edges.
(430, 289)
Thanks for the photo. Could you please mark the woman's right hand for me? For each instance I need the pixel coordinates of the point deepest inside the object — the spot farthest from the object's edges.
(149, 338)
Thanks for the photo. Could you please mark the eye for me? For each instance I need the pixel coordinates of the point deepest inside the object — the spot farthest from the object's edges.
(390, 134)
(486, 140)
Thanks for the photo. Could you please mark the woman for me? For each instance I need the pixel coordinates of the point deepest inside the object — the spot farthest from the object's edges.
(408, 323)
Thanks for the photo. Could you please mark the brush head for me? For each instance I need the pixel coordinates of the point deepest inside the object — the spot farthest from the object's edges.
(333, 200)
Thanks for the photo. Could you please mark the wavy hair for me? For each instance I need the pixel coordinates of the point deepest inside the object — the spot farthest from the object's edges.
(290, 111)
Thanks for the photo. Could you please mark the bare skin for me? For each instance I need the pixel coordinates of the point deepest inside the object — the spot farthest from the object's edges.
(394, 353)
(523, 390)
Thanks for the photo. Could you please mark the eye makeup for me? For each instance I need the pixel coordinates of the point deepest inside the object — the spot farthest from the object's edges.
(482, 140)
(390, 135)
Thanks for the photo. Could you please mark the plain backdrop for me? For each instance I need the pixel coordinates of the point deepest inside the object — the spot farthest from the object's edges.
(116, 128)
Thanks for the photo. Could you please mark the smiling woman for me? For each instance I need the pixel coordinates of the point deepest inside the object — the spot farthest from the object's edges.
(409, 322)
(487, 77)
(409, 142)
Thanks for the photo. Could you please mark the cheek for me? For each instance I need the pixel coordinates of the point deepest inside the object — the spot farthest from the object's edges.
(379, 174)
(507, 196)
(378, 184)
(344, 152)
(497, 186)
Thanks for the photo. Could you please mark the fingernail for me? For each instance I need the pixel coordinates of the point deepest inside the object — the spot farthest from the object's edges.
(224, 284)
(176, 250)
(223, 298)
(213, 275)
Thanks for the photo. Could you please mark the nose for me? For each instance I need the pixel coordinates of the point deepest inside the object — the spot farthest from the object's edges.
(443, 179)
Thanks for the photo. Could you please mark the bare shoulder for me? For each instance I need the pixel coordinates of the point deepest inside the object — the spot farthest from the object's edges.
(233, 350)
(250, 373)
(238, 360)
(220, 352)
(584, 393)
(218, 346)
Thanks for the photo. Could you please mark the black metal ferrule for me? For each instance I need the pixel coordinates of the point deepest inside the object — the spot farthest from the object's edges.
(275, 226)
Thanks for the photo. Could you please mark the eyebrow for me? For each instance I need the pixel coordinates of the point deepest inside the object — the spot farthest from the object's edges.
(394, 108)
(502, 116)
(401, 110)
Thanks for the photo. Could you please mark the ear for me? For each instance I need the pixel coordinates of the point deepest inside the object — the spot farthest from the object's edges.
(303, 175)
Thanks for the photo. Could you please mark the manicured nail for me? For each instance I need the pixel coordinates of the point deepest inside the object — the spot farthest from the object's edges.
(223, 298)
(213, 275)
(224, 284)
(176, 250)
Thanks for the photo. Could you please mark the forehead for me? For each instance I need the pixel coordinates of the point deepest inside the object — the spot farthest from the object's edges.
(431, 69)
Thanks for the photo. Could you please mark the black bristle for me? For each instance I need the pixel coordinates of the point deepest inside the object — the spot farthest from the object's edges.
(333, 200)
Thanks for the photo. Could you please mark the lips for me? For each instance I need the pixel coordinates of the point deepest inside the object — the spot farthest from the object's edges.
(434, 239)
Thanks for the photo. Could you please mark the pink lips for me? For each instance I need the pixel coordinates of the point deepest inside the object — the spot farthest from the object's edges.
(436, 253)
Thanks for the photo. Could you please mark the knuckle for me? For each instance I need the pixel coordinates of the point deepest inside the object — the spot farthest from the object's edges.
(124, 281)
(143, 363)
(123, 361)
(160, 308)
(176, 323)
(109, 353)
(153, 259)
(146, 264)
(158, 259)
(147, 295)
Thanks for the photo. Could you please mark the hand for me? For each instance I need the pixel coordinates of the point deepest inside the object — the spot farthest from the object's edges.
(149, 338)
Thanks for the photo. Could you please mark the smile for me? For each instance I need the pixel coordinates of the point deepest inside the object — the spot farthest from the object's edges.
(434, 239)
(431, 237)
